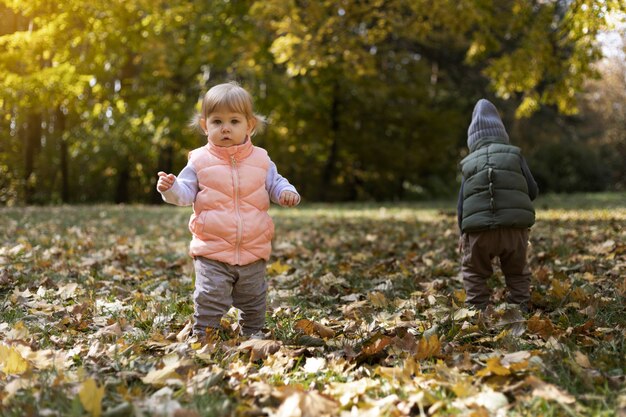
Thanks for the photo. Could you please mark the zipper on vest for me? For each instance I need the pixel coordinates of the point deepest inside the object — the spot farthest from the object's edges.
(238, 214)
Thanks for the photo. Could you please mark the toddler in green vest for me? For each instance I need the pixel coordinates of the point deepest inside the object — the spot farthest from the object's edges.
(495, 210)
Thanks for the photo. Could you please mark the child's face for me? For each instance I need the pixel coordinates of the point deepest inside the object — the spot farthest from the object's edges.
(227, 128)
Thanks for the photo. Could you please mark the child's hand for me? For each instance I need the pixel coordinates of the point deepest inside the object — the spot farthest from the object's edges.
(165, 181)
(288, 199)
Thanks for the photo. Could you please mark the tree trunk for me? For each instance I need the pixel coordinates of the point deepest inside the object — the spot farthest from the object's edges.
(166, 164)
(32, 145)
(331, 161)
(60, 130)
(121, 193)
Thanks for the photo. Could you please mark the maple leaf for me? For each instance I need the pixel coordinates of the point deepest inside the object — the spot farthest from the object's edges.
(277, 268)
(428, 347)
(543, 328)
(91, 397)
(260, 349)
(560, 286)
(310, 328)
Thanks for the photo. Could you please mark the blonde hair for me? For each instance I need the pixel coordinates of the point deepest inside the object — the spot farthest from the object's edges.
(233, 97)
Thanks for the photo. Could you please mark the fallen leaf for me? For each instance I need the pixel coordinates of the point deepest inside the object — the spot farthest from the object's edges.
(307, 404)
(260, 349)
(277, 268)
(169, 373)
(493, 367)
(377, 299)
(12, 362)
(375, 345)
(582, 359)
(559, 288)
(310, 328)
(515, 357)
(314, 365)
(91, 397)
(485, 403)
(428, 347)
(548, 391)
(463, 313)
(543, 328)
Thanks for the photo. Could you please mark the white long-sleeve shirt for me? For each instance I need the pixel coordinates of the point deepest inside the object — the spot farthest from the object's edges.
(185, 188)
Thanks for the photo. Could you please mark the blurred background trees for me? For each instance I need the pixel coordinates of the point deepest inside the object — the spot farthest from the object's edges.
(367, 100)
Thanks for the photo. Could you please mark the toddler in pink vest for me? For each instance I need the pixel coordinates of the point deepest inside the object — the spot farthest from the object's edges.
(230, 183)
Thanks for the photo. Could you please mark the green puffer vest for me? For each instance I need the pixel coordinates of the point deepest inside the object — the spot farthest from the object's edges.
(495, 193)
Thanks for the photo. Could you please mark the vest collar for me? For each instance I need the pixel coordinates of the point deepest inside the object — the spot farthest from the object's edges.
(487, 140)
(238, 152)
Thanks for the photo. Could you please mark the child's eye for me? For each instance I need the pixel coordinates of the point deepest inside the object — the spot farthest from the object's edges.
(235, 121)
(216, 122)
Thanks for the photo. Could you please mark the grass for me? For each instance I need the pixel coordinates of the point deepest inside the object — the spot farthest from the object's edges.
(368, 271)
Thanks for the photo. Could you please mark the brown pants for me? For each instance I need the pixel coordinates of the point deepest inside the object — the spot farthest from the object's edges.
(479, 249)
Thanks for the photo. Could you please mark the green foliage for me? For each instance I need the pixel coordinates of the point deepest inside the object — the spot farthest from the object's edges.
(367, 100)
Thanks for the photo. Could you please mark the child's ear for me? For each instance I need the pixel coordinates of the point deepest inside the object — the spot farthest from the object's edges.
(203, 124)
(251, 125)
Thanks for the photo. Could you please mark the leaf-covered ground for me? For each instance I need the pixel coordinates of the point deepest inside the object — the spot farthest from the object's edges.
(366, 317)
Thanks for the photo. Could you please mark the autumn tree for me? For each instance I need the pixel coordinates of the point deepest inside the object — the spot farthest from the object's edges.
(366, 99)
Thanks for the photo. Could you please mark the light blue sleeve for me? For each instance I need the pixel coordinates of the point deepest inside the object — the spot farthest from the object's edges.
(275, 184)
(185, 188)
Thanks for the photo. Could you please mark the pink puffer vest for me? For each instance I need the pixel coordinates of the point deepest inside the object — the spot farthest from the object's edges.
(230, 222)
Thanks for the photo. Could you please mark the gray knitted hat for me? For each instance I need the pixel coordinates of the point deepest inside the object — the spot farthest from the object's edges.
(486, 122)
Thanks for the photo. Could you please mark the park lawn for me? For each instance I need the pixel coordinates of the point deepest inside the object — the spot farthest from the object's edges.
(365, 317)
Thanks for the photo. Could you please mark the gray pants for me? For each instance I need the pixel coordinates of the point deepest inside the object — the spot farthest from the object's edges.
(479, 249)
(220, 286)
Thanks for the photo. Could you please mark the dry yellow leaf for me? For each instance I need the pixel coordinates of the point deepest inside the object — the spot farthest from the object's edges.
(460, 295)
(493, 367)
(91, 397)
(277, 268)
(12, 362)
(463, 388)
(428, 347)
(559, 288)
